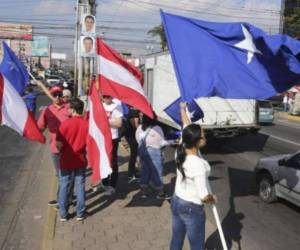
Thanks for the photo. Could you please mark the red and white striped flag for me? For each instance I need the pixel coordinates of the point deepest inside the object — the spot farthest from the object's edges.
(99, 143)
(120, 79)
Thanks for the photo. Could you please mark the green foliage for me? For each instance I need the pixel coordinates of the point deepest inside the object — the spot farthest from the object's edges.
(292, 18)
(159, 31)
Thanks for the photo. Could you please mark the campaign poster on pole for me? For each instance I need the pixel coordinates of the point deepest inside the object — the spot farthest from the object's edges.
(88, 25)
(87, 46)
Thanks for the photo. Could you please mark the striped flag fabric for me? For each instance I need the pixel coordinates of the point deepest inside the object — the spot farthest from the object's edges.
(14, 113)
(99, 141)
(13, 110)
(120, 79)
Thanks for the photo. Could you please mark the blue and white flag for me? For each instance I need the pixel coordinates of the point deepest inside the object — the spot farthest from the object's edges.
(14, 70)
(173, 110)
(13, 110)
(229, 60)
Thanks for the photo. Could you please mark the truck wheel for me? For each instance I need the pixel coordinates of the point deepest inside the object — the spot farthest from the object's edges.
(266, 189)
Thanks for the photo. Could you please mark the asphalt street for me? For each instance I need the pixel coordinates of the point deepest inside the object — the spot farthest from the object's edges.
(247, 221)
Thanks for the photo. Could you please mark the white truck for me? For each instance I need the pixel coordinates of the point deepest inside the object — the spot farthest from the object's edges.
(222, 117)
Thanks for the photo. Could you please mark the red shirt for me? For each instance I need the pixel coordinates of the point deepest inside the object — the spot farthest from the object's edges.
(51, 117)
(72, 134)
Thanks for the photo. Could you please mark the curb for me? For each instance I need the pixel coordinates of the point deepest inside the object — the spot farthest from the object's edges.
(293, 118)
(49, 226)
(284, 115)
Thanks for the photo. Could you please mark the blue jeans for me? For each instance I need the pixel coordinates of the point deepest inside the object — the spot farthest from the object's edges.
(56, 158)
(65, 180)
(189, 218)
(152, 168)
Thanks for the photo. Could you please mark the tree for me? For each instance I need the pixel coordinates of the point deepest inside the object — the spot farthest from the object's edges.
(159, 31)
(292, 18)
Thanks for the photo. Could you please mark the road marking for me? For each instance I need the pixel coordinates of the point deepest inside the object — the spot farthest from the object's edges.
(280, 139)
(287, 124)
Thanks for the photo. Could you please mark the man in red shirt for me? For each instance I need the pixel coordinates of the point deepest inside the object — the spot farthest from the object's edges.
(71, 141)
(50, 118)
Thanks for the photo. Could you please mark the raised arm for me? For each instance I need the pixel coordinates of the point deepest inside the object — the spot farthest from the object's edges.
(45, 90)
(184, 115)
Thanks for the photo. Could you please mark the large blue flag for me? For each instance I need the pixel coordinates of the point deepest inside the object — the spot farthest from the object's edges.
(14, 70)
(173, 110)
(230, 60)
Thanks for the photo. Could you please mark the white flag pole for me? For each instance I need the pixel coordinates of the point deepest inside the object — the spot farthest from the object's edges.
(219, 226)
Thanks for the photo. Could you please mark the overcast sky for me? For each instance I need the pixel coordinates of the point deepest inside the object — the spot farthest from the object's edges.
(124, 23)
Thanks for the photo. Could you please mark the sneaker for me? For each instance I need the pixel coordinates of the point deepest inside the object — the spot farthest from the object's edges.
(53, 203)
(63, 219)
(132, 179)
(109, 191)
(144, 196)
(80, 218)
(163, 196)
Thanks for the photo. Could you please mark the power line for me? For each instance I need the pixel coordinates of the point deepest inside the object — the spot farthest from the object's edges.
(204, 11)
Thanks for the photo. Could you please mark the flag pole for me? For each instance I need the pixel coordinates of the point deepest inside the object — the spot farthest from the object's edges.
(219, 226)
(214, 209)
(42, 86)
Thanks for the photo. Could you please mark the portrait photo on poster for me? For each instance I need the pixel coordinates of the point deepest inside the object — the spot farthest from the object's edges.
(88, 45)
(88, 25)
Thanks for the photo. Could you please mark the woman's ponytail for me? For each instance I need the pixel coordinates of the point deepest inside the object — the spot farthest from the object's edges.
(190, 139)
(180, 158)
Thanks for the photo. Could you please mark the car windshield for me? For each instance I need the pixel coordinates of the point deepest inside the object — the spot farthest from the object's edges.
(263, 104)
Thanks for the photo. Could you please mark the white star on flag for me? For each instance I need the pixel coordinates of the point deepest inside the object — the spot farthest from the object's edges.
(192, 114)
(248, 44)
(12, 66)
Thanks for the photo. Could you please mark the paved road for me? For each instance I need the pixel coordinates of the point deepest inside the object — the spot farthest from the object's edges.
(20, 204)
(248, 222)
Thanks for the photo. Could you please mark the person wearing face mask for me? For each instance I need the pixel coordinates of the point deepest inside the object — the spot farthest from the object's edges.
(50, 118)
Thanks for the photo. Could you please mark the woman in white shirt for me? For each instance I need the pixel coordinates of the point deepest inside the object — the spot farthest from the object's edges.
(150, 138)
(191, 191)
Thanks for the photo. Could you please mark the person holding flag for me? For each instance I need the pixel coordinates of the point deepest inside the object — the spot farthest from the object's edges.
(192, 189)
(50, 118)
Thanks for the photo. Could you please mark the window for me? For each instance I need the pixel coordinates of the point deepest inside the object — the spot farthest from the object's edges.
(264, 104)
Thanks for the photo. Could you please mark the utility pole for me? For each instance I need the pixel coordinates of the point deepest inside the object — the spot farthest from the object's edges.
(282, 10)
(76, 44)
(83, 65)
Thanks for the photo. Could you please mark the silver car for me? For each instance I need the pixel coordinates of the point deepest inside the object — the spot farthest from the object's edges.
(279, 176)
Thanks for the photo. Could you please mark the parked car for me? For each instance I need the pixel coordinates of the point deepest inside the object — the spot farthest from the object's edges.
(52, 80)
(265, 112)
(279, 176)
(276, 100)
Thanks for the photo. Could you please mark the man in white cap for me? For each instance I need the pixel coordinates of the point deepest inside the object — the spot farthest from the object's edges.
(66, 96)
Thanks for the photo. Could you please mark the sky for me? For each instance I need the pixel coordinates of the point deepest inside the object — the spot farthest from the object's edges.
(124, 23)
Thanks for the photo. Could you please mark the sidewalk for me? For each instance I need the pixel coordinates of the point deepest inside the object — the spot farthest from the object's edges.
(123, 222)
(286, 116)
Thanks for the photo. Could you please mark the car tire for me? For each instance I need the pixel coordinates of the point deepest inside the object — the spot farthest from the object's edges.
(266, 188)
